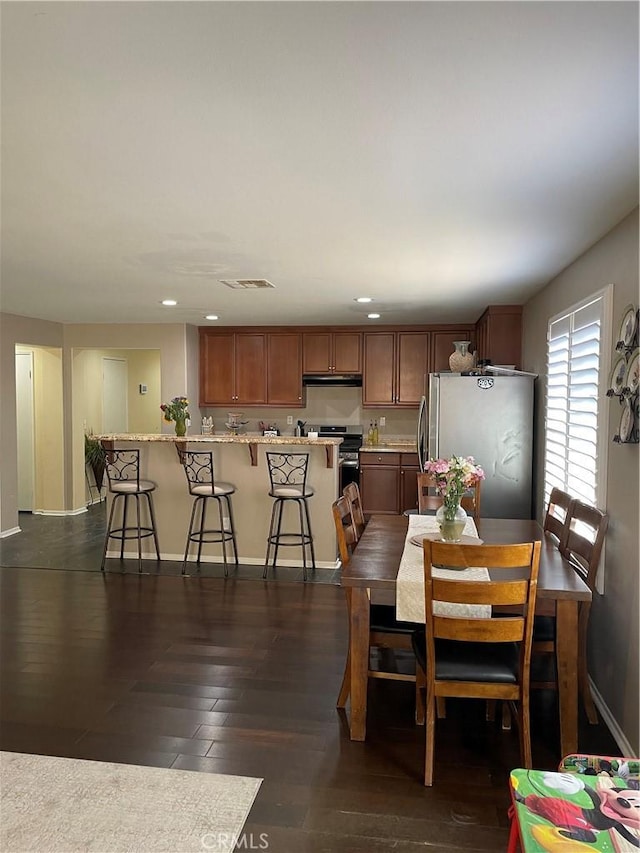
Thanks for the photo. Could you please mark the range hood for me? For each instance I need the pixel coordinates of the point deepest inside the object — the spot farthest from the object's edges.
(332, 379)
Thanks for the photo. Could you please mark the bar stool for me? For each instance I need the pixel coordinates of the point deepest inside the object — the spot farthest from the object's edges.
(288, 476)
(123, 474)
(198, 466)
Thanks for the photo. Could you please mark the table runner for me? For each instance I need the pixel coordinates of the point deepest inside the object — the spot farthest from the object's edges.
(410, 580)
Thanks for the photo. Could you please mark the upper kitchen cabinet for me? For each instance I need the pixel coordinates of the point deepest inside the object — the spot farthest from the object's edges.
(499, 335)
(442, 347)
(284, 370)
(233, 369)
(332, 352)
(395, 365)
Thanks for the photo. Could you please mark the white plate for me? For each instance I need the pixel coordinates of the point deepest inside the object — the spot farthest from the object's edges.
(618, 374)
(632, 378)
(626, 421)
(628, 325)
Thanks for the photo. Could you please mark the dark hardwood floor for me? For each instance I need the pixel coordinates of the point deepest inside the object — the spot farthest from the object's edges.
(241, 677)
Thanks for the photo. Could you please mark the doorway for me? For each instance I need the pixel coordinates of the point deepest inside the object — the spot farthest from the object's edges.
(25, 430)
(115, 417)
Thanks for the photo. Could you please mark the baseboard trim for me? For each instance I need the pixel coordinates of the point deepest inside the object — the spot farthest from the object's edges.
(245, 561)
(11, 532)
(611, 723)
(59, 512)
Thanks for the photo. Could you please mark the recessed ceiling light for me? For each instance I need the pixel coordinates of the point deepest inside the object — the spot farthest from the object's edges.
(211, 317)
(373, 316)
(364, 299)
(169, 302)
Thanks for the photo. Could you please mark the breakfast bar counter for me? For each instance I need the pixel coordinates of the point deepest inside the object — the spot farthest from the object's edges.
(240, 460)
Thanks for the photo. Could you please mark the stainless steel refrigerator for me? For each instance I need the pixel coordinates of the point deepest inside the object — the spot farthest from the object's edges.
(491, 419)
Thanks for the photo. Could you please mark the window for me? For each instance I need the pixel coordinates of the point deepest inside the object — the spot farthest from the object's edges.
(576, 412)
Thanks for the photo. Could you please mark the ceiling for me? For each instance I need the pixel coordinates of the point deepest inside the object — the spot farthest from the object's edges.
(437, 157)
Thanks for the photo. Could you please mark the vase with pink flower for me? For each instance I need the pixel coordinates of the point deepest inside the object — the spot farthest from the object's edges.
(453, 477)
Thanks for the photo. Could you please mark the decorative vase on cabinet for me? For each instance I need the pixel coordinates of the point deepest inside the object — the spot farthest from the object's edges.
(461, 358)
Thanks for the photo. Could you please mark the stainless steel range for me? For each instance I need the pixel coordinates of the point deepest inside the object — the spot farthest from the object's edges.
(347, 451)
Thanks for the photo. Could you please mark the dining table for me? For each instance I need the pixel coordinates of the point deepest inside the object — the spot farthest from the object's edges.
(371, 576)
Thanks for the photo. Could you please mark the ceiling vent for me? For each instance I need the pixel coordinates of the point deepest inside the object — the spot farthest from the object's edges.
(247, 283)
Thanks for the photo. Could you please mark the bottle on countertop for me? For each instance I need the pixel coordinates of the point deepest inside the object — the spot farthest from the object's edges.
(370, 433)
(376, 434)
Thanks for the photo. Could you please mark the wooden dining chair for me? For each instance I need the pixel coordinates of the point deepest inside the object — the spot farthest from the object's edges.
(352, 493)
(486, 657)
(384, 630)
(555, 519)
(429, 499)
(581, 543)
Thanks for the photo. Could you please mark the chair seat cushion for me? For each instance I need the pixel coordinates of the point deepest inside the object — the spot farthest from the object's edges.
(130, 487)
(382, 617)
(204, 490)
(544, 628)
(462, 661)
(291, 492)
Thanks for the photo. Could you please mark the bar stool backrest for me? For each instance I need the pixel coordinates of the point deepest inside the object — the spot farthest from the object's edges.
(123, 466)
(198, 466)
(288, 469)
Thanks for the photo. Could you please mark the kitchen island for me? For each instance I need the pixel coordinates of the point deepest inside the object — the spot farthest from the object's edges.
(237, 459)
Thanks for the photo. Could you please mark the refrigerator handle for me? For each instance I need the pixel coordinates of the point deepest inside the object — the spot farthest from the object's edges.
(420, 438)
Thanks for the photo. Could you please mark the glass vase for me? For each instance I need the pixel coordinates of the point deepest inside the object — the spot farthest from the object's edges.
(451, 530)
(181, 426)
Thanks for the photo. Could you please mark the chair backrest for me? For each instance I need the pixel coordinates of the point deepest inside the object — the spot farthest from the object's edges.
(345, 528)
(517, 589)
(429, 499)
(198, 466)
(288, 469)
(122, 466)
(583, 540)
(556, 517)
(352, 493)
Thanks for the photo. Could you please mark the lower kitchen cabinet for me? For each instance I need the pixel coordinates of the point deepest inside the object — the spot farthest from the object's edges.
(408, 493)
(379, 482)
(388, 482)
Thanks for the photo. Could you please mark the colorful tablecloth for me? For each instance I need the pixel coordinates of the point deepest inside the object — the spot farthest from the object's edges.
(410, 580)
(576, 812)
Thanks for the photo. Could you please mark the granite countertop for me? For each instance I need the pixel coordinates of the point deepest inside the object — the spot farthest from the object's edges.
(393, 446)
(255, 438)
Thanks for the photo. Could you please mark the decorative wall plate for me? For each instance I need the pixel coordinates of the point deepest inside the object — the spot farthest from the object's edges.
(618, 374)
(628, 325)
(632, 378)
(626, 421)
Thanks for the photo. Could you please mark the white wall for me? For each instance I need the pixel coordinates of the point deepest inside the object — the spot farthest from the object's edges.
(613, 626)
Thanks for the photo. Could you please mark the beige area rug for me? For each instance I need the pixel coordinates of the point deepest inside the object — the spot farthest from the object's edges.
(64, 805)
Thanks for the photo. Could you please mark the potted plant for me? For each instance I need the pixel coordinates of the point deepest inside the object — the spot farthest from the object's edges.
(94, 457)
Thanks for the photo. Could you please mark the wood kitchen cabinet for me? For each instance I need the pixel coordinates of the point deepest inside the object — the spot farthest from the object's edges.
(408, 492)
(442, 347)
(395, 366)
(233, 369)
(284, 370)
(499, 335)
(332, 352)
(379, 482)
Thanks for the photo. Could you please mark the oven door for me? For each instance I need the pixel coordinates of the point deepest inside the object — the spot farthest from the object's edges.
(349, 472)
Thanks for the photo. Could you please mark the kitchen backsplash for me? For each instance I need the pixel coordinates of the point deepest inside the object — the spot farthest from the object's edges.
(333, 405)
